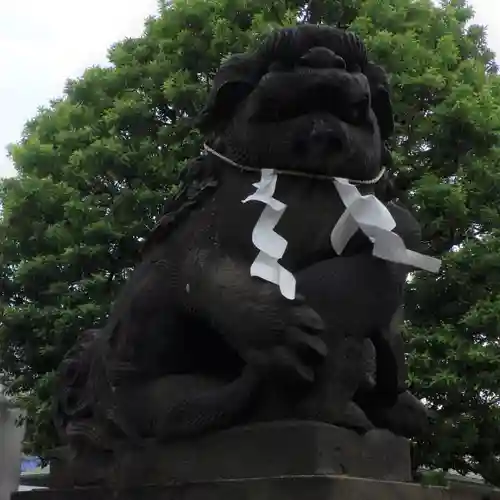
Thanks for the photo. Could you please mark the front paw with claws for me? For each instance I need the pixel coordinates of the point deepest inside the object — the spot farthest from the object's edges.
(300, 351)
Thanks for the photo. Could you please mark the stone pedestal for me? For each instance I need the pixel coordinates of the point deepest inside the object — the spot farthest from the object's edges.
(282, 488)
(272, 461)
(274, 449)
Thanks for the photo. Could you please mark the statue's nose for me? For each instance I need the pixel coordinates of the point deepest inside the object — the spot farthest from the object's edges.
(326, 138)
(321, 57)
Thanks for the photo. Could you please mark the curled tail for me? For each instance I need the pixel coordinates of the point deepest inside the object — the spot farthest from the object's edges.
(187, 405)
(87, 403)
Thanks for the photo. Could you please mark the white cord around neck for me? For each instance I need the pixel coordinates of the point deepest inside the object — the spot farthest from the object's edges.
(227, 160)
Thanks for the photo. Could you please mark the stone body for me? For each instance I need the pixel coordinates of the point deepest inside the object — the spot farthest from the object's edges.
(194, 344)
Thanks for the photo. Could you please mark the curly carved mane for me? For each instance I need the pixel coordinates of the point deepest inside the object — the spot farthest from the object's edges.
(197, 180)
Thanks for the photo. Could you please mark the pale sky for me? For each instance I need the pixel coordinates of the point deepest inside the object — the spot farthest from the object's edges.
(42, 43)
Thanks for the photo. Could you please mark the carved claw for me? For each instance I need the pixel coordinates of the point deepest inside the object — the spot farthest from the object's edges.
(408, 417)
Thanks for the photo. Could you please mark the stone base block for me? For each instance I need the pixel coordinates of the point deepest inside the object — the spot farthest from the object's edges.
(285, 488)
(275, 449)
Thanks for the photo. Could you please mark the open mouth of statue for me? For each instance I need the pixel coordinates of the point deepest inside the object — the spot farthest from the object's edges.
(320, 99)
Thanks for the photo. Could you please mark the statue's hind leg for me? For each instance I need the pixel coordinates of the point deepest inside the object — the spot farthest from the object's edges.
(388, 403)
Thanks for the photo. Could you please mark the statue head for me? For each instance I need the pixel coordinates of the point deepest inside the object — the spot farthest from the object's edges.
(306, 99)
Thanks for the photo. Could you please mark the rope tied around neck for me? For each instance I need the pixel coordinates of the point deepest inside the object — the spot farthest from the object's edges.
(246, 168)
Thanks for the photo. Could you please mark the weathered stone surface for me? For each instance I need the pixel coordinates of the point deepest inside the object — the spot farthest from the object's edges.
(274, 449)
(284, 488)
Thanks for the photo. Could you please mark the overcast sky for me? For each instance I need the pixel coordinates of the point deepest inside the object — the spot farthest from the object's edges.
(42, 43)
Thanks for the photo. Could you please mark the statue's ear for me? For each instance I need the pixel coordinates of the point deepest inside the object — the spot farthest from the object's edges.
(235, 80)
(382, 107)
(381, 99)
(222, 104)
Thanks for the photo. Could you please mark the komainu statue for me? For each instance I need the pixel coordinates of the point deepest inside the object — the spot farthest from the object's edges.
(271, 288)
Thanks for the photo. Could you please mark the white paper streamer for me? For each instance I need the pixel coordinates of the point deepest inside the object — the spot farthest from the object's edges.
(371, 216)
(366, 213)
(271, 245)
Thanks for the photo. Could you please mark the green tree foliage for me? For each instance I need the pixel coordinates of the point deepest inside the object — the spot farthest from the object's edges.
(95, 167)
